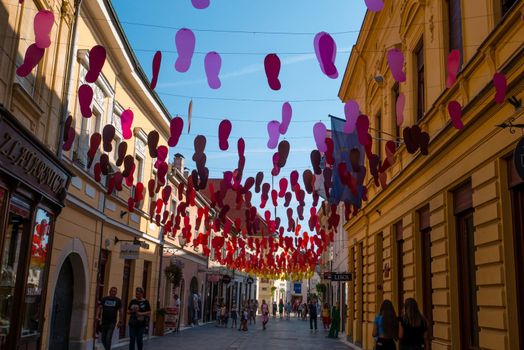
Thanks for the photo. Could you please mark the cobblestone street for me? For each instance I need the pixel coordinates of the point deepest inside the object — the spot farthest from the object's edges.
(280, 334)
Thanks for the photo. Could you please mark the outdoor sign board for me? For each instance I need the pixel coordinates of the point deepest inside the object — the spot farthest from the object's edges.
(342, 277)
(297, 288)
(130, 251)
(170, 320)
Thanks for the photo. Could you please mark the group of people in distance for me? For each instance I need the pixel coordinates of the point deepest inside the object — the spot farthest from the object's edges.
(410, 329)
(247, 313)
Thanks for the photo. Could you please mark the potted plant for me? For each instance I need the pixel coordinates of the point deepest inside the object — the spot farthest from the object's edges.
(173, 274)
(159, 322)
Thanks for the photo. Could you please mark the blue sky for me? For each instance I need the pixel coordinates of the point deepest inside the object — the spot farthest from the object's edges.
(242, 75)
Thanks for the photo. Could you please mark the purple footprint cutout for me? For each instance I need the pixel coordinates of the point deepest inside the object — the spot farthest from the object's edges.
(200, 4)
(212, 64)
(185, 45)
(286, 117)
(326, 52)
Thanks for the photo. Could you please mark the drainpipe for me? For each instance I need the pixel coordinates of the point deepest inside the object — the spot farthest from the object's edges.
(161, 256)
(68, 86)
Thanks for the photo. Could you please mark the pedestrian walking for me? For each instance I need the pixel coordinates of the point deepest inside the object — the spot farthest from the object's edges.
(139, 311)
(196, 309)
(413, 330)
(304, 311)
(265, 314)
(288, 310)
(109, 309)
(234, 315)
(335, 322)
(281, 308)
(244, 317)
(274, 309)
(252, 312)
(299, 309)
(385, 327)
(326, 318)
(223, 315)
(312, 315)
(217, 313)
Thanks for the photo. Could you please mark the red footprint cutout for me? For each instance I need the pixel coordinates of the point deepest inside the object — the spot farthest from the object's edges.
(97, 58)
(455, 114)
(315, 161)
(32, 57)
(175, 126)
(258, 181)
(122, 151)
(152, 143)
(85, 97)
(272, 68)
(283, 153)
(224, 130)
(43, 23)
(127, 122)
(108, 134)
(307, 177)
(94, 144)
(162, 152)
(157, 61)
(293, 178)
(282, 184)
(501, 86)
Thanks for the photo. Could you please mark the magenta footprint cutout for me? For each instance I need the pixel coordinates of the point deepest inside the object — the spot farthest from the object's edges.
(352, 111)
(272, 67)
(175, 126)
(273, 130)
(396, 64)
(157, 61)
(287, 112)
(127, 123)
(185, 45)
(455, 113)
(374, 5)
(362, 129)
(224, 130)
(501, 86)
(43, 23)
(32, 56)
(97, 58)
(326, 52)
(212, 64)
(319, 132)
(200, 4)
(453, 66)
(85, 97)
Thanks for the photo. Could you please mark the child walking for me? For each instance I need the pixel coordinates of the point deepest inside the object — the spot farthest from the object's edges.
(234, 312)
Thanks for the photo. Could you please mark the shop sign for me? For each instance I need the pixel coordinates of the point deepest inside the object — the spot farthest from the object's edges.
(129, 251)
(327, 275)
(170, 320)
(342, 277)
(27, 162)
(518, 158)
(213, 278)
(226, 279)
(297, 288)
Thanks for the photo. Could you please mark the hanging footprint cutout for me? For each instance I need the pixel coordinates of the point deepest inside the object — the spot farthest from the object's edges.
(326, 52)
(43, 23)
(32, 57)
(212, 65)
(224, 130)
(185, 45)
(272, 68)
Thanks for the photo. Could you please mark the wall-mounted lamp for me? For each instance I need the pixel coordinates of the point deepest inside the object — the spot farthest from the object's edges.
(379, 79)
(123, 213)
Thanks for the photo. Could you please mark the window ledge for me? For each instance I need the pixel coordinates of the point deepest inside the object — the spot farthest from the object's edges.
(29, 101)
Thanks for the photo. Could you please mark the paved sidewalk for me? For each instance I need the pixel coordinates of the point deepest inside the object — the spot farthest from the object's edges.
(280, 335)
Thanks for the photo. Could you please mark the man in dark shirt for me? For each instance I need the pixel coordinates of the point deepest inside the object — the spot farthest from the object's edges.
(312, 314)
(109, 308)
(139, 311)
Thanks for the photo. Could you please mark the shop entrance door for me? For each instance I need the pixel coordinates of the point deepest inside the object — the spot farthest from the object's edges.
(62, 308)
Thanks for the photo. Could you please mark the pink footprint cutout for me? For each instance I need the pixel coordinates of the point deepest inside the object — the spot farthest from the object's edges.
(455, 113)
(396, 64)
(399, 108)
(501, 86)
(272, 67)
(127, 122)
(286, 117)
(32, 56)
(157, 61)
(293, 179)
(97, 58)
(453, 66)
(185, 45)
(85, 97)
(200, 4)
(319, 132)
(362, 130)
(326, 52)
(224, 130)
(43, 23)
(162, 153)
(176, 125)
(273, 129)
(212, 64)
(352, 111)
(374, 5)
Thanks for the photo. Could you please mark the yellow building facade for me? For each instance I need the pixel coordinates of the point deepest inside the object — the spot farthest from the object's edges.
(447, 230)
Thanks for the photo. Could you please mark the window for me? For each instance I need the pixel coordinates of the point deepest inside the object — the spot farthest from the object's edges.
(27, 38)
(127, 277)
(398, 231)
(506, 5)
(378, 131)
(455, 26)
(395, 129)
(427, 285)
(139, 169)
(102, 273)
(145, 276)
(463, 210)
(421, 98)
